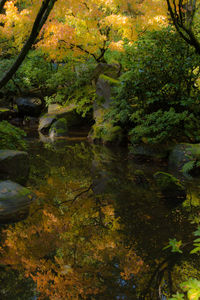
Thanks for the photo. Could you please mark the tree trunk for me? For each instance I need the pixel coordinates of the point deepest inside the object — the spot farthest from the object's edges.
(2, 3)
(182, 24)
(46, 7)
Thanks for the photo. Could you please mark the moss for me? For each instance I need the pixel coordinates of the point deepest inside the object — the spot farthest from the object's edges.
(59, 128)
(107, 133)
(194, 149)
(59, 124)
(113, 134)
(24, 192)
(4, 109)
(110, 80)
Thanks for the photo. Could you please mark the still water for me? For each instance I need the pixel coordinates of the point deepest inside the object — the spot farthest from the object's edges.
(97, 229)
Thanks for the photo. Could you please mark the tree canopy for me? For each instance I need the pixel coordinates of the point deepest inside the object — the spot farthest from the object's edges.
(79, 28)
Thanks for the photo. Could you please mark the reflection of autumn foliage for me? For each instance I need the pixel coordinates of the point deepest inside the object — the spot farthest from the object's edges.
(71, 250)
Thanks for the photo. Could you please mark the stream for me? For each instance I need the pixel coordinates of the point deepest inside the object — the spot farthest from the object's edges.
(97, 228)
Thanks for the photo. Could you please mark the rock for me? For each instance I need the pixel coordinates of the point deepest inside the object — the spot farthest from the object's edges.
(104, 130)
(45, 123)
(56, 112)
(183, 154)
(170, 187)
(14, 165)
(14, 201)
(54, 108)
(111, 70)
(7, 114)
(29, 106)
(106, 133)
(59, 128)
(30, 122)
(17, 122)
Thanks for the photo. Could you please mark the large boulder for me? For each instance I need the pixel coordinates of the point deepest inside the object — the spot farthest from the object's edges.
(45, 123)
(104, 130)
(185, 158)
(29, 106)
(14, 165)
(170, 187)
(14, 201)
(56, 112)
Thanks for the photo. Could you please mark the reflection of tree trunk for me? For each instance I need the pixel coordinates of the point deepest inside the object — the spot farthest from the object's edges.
(154, 285)
(40, 20)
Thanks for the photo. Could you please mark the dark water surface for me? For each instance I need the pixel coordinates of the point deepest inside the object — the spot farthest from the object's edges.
(97, 229)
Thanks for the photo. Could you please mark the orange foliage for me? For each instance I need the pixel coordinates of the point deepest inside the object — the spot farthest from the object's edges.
(70, 249)
(82, 27)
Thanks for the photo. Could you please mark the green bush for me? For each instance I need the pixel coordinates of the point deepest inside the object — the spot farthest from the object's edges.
(11, 137)
(72, 84)
(159, 96)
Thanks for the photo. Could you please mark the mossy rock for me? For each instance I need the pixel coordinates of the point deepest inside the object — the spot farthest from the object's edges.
(106, 133)
(59, 128)
(14, 165)
(14, 201)
(110, 70)
(110, 80)
(170, 187)
(67, 112)
(45, 123)
(112, 135)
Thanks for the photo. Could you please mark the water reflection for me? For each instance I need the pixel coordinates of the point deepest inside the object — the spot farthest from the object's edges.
(97, 229)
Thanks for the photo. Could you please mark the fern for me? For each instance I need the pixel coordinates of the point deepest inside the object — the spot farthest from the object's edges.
(188, 167)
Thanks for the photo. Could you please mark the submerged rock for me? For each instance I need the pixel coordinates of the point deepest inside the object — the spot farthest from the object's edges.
(140, 178)
(14, 201)
(149, 152)
(170, 187)
(14, 165)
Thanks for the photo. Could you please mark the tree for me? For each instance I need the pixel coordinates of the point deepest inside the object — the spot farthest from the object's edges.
(92, 28)
(2, 3)
(45, 9)
(183, 15)
(75, 27)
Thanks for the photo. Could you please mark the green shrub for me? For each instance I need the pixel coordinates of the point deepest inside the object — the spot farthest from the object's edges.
(11, 137)
(159, 96)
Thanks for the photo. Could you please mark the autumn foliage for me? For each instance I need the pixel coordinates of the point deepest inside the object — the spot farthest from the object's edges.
(70, 248)
(79, 27)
